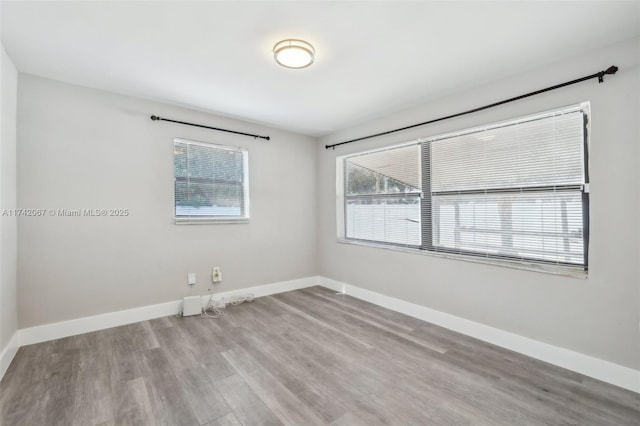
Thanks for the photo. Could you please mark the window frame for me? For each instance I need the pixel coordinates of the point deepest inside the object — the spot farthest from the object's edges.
(426, 202)
(202, 220)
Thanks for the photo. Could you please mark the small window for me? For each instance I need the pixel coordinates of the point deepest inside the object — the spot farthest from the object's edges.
(211, 182)
(515, 191)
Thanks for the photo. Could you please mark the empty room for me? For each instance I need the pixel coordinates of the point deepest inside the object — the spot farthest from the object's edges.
(320, 213)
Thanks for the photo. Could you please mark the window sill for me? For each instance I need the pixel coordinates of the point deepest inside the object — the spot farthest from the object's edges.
(534, 267)
(209, 221)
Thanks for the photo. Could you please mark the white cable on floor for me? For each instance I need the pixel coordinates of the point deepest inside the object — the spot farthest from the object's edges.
(215, 309)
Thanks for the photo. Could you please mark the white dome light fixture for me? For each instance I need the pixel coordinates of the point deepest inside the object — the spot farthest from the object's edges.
(294, 53)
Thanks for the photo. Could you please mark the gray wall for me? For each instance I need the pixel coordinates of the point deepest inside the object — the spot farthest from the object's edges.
(8, 228)
(598, 316)
(84, 148)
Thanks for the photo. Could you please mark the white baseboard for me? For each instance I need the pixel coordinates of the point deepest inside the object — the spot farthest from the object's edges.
(58, 330)
(8, 353)
(606, 371)
(43, 333)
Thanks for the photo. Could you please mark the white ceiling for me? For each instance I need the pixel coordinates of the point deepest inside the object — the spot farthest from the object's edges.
(373, 58)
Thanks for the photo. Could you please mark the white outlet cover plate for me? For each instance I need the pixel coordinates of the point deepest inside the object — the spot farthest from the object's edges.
(216, 274)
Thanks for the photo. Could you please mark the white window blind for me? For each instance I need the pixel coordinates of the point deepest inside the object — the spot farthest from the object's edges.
(382, 196)
(211, 181)
(511, 191)
(537, 225)
(544, 151)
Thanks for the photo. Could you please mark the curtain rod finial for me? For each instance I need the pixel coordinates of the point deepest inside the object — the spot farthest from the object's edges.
(611, 70)
(155, 118)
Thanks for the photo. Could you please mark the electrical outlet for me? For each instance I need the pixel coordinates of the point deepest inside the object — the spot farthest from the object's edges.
(216, 274)
(191, 278)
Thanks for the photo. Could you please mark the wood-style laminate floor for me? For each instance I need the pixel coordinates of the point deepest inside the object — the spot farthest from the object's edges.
(306, 357)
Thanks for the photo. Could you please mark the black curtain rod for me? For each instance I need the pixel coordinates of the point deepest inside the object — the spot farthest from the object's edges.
(156, 118)
(600, 75)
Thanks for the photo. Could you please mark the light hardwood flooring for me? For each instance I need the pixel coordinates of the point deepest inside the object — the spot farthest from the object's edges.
(306, 357)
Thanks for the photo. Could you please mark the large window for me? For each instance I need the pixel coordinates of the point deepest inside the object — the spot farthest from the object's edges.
(513, 191)
(211, 182)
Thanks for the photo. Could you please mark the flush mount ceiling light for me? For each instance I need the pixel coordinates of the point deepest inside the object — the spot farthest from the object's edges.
(294, 53)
